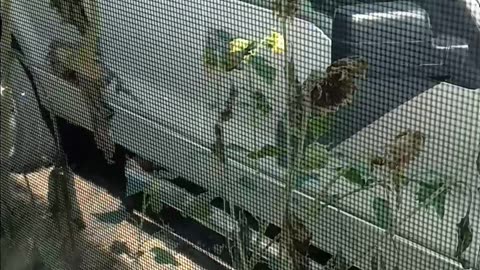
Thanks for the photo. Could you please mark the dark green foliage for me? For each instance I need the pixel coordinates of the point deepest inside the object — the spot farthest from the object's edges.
(358, 174)
(353, 175)
(426, 191)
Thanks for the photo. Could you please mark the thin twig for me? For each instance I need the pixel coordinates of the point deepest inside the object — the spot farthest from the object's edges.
(348, 194)
(32, 198)
(219, 152)
(239, 242)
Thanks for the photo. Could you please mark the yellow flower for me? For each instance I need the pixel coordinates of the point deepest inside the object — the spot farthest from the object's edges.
(238, 45)
(276, 42)
(250, 55)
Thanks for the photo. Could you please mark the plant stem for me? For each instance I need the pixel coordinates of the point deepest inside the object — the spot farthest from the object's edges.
(29, 187)
(63, 186)
(140, 229)
(219, 152)
(392, 230)
(290, 154)
(297, 114)
(239, 242)
(256, 252)
(89, 41)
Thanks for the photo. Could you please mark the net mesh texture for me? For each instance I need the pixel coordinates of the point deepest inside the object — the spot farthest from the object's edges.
(240, 134)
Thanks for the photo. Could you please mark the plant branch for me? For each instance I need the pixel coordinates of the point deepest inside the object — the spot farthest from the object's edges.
(219, 151)
(290, 152)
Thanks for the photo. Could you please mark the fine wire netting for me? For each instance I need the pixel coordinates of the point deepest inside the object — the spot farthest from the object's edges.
(240, 134)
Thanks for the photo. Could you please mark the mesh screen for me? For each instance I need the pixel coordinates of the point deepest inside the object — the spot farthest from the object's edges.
(228, 134)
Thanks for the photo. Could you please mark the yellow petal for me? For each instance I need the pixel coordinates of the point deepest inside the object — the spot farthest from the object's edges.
(276, 42)
(238, 45)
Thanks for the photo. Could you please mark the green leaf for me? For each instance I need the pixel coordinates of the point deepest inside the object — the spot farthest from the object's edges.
(317, 127)
(464, 236)
(261, 102)
(153, 189)
(383, 213)
(353, 175)
(163, 256)
(426, 191)
(267, 151)
(358, 174)
(210, 58)
(216, 48)
(316, 157)
(264, 69)
(113, 217)
(234, 61)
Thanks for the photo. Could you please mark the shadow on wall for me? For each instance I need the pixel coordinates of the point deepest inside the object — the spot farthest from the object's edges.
(88, 162)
